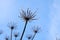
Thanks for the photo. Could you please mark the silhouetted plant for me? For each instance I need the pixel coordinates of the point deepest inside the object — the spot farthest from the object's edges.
(6, 38)
(12, 26)
(26, 16)
(29, 36)
(16, 35)
(35, 30)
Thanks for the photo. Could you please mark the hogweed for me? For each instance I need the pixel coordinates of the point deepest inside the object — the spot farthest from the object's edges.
(6, 38)
(29, 36)
(35, 30)
(16, 35)
(26, 16)
(12, 26)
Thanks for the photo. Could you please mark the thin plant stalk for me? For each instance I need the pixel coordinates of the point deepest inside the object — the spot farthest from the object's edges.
(28, 39)
(24, 30)
(33, 36)
(15, 38)
(11, 34)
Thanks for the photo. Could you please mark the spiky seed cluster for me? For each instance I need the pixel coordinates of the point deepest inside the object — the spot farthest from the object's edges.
(6, 38)
(12, 26)
(29, 36)
(16, 34)
(36, 29)
(28, 15)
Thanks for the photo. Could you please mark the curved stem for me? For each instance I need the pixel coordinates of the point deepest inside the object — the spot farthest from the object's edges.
(33, 36)
(11, 34)
(23, 30)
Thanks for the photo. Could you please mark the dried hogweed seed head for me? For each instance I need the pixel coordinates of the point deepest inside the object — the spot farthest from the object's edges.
(29, 36)
(36, 29)
(27, 15)
(16, 34)
(12, 26)
(6, 38)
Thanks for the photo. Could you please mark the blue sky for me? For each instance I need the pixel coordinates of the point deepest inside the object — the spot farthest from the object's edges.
(48, 15)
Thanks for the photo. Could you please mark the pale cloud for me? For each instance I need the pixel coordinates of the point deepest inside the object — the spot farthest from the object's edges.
(55, 20)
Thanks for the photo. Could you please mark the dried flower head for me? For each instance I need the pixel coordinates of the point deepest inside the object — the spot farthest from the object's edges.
(36, 29)
(29, 36)
(6, 38)
(27, 15)
(12, 26)
(16, 34)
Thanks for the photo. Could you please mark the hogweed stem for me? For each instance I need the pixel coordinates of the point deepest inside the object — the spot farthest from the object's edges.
(11, 34)
(33, 36)
(15, 38)
(24, 30)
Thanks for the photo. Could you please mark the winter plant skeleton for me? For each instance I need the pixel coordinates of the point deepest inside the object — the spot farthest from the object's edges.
(27, 16)
(29, 36)
(16, 34)
(12, 26)
(35, 30)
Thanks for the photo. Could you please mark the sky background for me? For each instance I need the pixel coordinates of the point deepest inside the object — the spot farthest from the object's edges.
(48, 15)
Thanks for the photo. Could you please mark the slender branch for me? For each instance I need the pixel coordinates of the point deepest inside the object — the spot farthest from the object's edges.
(11, 34)
(23, 30)
(33, 36)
